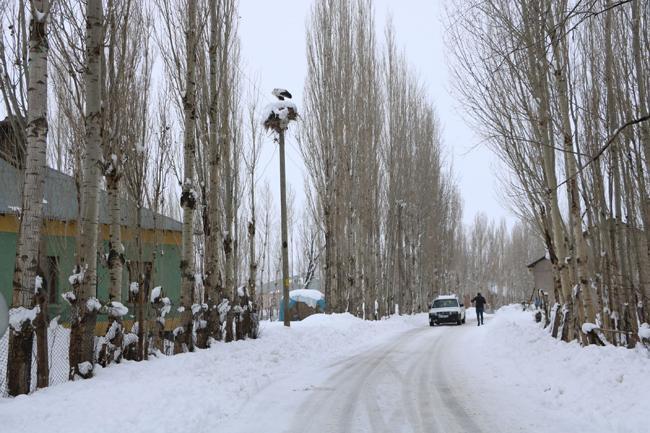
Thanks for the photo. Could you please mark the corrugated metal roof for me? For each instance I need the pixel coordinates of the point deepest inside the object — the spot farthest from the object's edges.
(61, 200)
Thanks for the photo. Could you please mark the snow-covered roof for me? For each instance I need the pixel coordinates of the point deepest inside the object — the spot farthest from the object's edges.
(308, 296)
(447, 297)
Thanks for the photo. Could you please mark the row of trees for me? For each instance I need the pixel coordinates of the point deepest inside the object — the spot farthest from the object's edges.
(381, 227)
(559, 90)
(493, 259)
(386, 209)
(111, 128)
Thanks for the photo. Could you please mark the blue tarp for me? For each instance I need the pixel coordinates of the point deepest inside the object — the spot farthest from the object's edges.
(320, 306)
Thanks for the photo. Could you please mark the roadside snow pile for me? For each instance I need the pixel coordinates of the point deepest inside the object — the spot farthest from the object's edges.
(565, 387)
(199, 391)
(306, 296)
(644, 331)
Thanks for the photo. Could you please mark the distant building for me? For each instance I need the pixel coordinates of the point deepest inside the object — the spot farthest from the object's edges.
(12, 149)
(269, 295)
(542, 271)
(58, 242)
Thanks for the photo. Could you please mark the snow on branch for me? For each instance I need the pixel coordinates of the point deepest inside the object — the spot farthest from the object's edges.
(117, 309)
(93, 304)
(20, 316)
(69, 297)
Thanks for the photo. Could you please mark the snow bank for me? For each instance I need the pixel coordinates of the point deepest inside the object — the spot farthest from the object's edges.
(307, 296)
(565, 387)
(644, 331)
(199, 391)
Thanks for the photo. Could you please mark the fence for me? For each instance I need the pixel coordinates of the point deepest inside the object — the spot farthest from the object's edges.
(58, 343)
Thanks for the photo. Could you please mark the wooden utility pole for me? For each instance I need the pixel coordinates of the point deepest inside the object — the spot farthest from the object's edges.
(279, 116)
(283, 217)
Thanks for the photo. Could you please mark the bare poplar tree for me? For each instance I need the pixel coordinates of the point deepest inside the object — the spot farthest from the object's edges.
(189, 196)
(539, 98)
(251, 159)
(85, 305)
(29, 303)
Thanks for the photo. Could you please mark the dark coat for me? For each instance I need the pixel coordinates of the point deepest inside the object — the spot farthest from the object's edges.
(480, 302)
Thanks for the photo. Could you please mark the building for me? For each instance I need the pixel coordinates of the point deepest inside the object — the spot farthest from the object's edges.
(542, 271)
(58, 241)
(11, 147)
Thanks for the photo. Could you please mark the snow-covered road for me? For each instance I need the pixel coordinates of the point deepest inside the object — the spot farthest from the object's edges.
(508, 376)
(409, 384)
(337, 373)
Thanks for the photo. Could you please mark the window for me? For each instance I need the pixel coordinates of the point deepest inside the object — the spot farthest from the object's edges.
(52, 278)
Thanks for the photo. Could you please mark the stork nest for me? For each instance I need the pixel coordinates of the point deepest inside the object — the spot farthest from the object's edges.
(277, 123)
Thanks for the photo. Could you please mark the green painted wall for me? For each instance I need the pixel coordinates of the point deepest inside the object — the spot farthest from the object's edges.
(166, 270)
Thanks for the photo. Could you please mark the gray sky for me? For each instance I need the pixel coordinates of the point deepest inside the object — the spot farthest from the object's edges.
(273, 51)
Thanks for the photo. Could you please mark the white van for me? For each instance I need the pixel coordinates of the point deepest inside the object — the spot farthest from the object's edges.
(446, 309)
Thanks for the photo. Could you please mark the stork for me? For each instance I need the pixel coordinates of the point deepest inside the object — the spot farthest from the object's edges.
(281, 94)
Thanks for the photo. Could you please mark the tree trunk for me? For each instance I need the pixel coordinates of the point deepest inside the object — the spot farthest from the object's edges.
(584, 295)
(213, 229)
(19, 359)
(114, 328)
(188, 196)
(84, 311)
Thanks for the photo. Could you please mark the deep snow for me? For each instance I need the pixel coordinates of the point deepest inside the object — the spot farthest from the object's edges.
(523, 380)
(195, 391)
(556, 386)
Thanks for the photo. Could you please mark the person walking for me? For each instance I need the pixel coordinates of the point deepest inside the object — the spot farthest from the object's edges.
(479, 302)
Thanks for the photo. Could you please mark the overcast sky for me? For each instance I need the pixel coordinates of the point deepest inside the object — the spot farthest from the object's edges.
(273, 54)
(273, 51)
